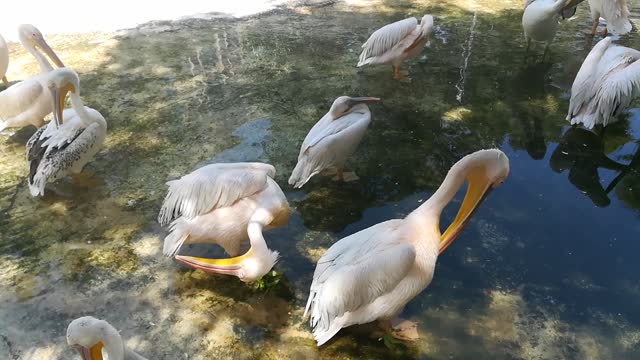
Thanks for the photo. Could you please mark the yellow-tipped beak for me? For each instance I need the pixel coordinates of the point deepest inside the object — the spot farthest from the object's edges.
(58, 102)
(230, 266)
(479, 186)
(92, 353)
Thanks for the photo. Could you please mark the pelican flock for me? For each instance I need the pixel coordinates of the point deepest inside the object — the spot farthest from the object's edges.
(332, 140)
(393, 43)
(225, 204)
(4, 61)
(93, 337)
(29, 101)
(69, 142)
(367, 276)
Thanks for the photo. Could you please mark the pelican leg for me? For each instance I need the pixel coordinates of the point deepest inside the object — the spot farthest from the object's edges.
(85, 179)
(396, 72)
(339, 174)
(526, 51)
(604, 32)
(546, 51)
(5, 81)
(595, 26)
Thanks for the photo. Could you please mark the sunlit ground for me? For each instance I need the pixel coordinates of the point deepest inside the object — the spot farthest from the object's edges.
(547, 268)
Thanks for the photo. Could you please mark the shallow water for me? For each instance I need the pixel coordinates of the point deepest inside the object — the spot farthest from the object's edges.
(546, 269)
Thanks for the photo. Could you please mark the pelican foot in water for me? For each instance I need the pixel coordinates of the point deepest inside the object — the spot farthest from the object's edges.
(85, 179)
(401, 75)
(349, 176)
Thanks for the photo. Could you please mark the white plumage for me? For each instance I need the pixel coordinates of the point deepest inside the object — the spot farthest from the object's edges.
(372, 274)
(332, 139)
(4, 60)
(615, 12)
(92, 336)
(540, 19)
(607, 82)
(56, 150)
(393, 43)
(225, 204)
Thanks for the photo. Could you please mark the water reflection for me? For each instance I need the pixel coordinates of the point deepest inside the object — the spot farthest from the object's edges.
(581, 152)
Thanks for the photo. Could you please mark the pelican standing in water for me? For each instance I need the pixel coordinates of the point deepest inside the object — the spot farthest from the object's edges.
(4, 61)
(372, 274)
(607, 82)
(29, 101)
(332, 140)
(92, 336)
(393, 43)
(225, 204)
(69, 142)
(540, 19)
(615, 12)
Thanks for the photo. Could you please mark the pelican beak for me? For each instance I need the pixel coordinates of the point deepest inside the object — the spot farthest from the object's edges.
(59, 95)
(478, 188)
(47, 50)
(230, 266)
(92, 353)
(364, 100)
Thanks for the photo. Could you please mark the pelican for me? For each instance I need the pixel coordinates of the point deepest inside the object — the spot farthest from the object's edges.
(92, 336)
(616, 12)
(29, 101)
(4, 60)
(393, 43)
(607, 82)
(372, 274)
(225, 204)
(333, 139)
(540, 19)
(69, 142)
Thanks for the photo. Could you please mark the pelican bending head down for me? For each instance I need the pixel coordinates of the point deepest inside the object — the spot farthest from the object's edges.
(91, 336)
(372, 274)
(333, 139)
(225, 204)
(33, 41)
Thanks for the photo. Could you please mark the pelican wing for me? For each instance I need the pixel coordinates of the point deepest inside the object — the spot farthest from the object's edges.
(48, 162)
(527, 3)
(617, 14)
(323, 130)
(213, 186)
(354, 272)
(616, 92)
(15, 100)
(385, 38)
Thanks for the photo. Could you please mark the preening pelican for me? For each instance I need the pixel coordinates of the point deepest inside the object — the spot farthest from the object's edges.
(92, 336)
(67, 144)
(393, 43)
(225, 204)
(333, 139)
(4, 60)
(540, 19)
(607, 82)
(372, 274)
(29, 101)
(616, 12)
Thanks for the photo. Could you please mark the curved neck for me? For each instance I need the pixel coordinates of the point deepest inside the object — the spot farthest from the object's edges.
(81, 111)
(114, 346)
(45, 65)
(258, 244)
(452, 183)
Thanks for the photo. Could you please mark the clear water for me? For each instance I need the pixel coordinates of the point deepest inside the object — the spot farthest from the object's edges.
(545, 270)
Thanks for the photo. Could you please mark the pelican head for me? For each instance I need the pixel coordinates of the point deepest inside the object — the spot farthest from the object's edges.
(89, 335)
(346, 104)
(484, 171)
(61, 82)
(31, 37)
(251, 266)
(426, 25)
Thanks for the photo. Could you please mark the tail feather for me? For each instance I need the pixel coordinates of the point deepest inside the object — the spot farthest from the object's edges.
(178, 235)
(324, 336)
(37, 185)
(302, 173)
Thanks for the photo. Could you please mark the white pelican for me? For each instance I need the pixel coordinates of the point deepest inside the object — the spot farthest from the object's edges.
(616, 12)
(67, 144)
(4, 60)
(225, 204)
(540, 19)
(607, 82)
(393, 43)
(29, 101)
(333, 139)
(92, 336)
(372, 274)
